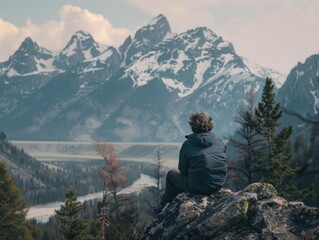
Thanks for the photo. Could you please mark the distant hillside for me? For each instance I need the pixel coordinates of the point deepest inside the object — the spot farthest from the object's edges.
(42, 183)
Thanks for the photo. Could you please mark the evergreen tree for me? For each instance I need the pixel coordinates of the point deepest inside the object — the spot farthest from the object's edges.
(13, 211)
(72, 226)
(268, 114)
(276, 164)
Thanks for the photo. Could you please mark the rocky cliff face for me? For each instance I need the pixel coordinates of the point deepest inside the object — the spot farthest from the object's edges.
(253, 213)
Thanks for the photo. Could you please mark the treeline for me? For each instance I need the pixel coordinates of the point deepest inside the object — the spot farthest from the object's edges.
(264, 150)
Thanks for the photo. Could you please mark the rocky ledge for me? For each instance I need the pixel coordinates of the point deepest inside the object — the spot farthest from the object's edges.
(253, 213)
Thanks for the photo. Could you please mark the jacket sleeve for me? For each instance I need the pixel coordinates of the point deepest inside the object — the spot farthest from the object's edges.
(183, 164)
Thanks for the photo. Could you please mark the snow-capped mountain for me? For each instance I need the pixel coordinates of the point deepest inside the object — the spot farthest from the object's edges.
(81, 47)
(142, 91)
(27, 60)
(144, 40)
(300, 92)
(258, 70)
(108, 61)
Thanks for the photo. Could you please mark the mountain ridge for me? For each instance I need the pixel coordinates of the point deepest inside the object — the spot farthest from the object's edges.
(101, 91)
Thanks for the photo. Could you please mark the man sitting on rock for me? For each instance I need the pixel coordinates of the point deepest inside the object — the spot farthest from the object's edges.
(202, 162)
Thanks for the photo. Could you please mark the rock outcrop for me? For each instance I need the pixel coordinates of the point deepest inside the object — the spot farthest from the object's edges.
(253, 213)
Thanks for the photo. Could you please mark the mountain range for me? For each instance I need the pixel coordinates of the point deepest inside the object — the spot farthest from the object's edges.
(143, 90)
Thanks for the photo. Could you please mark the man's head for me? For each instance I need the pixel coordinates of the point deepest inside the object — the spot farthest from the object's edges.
(200, 122)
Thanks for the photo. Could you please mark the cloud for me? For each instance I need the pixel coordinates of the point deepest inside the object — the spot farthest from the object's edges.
(278, 38)
(9, 37)
(55, 34)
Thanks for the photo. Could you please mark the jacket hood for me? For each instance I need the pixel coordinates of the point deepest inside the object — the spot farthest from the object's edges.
(201, 139)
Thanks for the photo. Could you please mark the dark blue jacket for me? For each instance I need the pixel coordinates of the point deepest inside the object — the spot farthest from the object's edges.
(202, 159)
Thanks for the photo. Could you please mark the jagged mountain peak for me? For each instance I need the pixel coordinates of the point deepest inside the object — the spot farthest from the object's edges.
(158, 21)
(313, 59)
(145, 39)
(81, 47)
(204, 38)
(82, 34)
(30, 46)
(27, 42)
(154, 31)
(80, 37)
(30, 58)
(203, 32)
(158, 18)
(79, 40)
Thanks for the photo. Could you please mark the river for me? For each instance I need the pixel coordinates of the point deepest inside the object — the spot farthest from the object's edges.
(43, 212)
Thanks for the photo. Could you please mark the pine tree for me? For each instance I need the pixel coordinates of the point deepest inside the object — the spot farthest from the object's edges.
(13, 211)
(276, 164)
(268, 114)
(72, 226)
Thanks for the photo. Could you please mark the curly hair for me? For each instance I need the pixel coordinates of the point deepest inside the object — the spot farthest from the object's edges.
(200, 122)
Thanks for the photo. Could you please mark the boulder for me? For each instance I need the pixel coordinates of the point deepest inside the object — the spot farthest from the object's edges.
(256, 212)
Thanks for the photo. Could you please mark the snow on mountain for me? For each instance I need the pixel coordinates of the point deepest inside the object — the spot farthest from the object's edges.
(142, 91)
(109, 59)
(144, 40)
(186, 61)
(80, 47)
(263, 72)
(300, 92)
(29, 59)
(200, 71)
(152, 32)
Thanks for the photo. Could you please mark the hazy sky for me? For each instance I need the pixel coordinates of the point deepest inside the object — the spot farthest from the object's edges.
(272, 33)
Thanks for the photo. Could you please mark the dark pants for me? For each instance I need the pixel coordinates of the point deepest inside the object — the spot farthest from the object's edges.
(175, 184)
